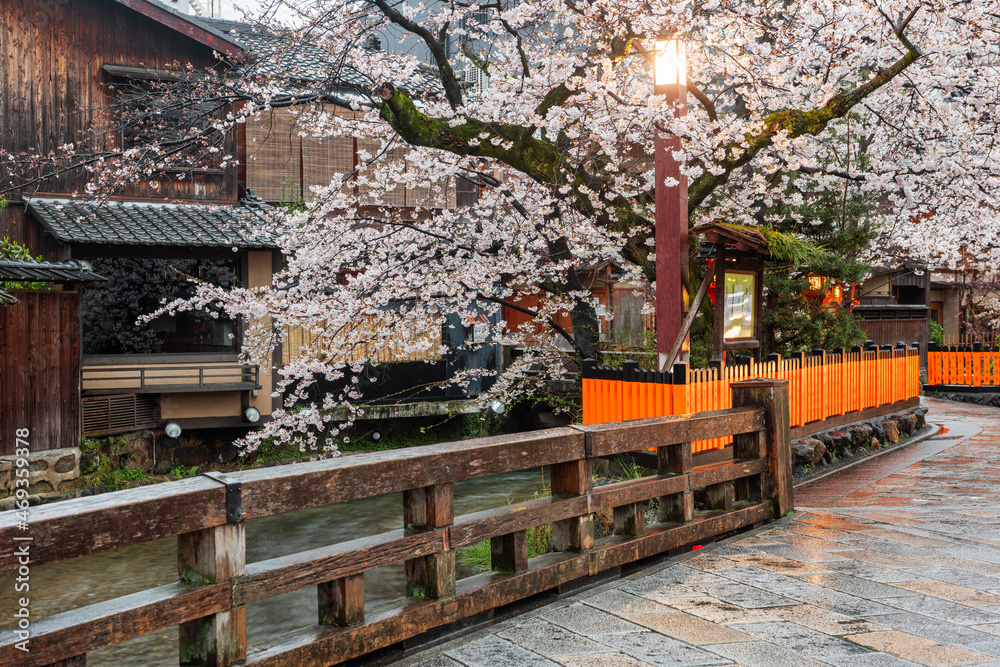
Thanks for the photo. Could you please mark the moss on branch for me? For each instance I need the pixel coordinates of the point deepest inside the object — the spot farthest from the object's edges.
(796, 123)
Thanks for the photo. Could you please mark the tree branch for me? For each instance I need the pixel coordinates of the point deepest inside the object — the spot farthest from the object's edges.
(797, 123)
(527, 311)
(452, 88)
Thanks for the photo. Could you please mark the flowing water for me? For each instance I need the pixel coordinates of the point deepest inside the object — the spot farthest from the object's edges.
(71, 584)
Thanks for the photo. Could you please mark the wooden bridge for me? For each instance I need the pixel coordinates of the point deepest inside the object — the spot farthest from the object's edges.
(215, 583)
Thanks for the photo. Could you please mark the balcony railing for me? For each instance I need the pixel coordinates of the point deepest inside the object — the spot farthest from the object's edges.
(168, 378)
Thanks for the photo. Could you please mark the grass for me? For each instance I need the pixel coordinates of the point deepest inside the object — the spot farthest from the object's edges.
(630, 470)
(184, 471)
(479, 558)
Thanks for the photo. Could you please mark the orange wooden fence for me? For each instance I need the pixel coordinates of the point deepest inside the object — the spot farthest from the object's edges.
(821, 385)
(963, 365)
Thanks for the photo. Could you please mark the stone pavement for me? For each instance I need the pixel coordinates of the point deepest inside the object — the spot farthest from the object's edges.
(895, 562)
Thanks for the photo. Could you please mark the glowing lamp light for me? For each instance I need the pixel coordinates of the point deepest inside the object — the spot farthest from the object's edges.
(172, 430)
(669, 65)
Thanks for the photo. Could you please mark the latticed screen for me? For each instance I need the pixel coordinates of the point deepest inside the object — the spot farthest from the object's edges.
(283, 166)
(104, 415)
(273, 157)
(297, 340)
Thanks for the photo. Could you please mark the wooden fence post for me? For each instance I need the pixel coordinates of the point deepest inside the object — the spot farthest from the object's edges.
(772, 396)
(509, 553)
(342, 601)
(573, 478)
(213, 555)
(426, 508)
(677, 459)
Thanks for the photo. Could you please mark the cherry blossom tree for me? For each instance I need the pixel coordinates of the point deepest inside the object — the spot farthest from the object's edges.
(896, 99)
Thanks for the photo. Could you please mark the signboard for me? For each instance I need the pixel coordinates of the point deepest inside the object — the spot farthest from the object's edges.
(738, 314)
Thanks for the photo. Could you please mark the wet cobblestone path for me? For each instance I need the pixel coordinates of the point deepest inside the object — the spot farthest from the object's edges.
(892, 563)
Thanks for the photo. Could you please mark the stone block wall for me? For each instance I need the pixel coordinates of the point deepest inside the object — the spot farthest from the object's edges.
(51, 470)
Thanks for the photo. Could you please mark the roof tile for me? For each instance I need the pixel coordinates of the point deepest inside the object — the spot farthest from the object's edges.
(249, 225)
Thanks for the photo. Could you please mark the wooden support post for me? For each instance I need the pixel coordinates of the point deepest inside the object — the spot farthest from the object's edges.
(720, 496)
(750, 446)
(676, 460)
(772, 396)
(630, 519)
(509, 553)
(573, 478)
(429, 507)
(213, 555)
(342, 601)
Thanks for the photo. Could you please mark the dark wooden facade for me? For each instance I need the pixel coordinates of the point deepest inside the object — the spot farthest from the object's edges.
(54, 91)
(40, 370)
(895, 306)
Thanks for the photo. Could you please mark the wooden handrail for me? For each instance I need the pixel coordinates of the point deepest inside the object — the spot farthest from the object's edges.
(216, 584)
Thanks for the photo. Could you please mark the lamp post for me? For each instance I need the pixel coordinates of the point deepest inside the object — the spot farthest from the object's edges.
(670, 80)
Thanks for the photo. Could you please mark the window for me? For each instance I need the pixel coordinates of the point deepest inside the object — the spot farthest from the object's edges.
(136, 287)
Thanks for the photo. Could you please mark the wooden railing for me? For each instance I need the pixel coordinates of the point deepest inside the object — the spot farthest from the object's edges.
(166, 378)
(960, 340)
(972, 365)
(825, 388)
(215, 584)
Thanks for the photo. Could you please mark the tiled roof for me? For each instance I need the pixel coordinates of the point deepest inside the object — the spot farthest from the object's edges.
(249, 225)
(73, 271)
(274, 55)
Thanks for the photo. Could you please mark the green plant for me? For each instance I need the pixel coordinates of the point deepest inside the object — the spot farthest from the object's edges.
(184, 471)
(630, 469)
(89, 445)
(291, 196)
(808, 468)
(11, 250)
(121, 478)
(937, 332)
(479, 557)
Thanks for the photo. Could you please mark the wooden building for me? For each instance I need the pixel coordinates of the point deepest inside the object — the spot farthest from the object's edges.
(894, 305)
(63, 66)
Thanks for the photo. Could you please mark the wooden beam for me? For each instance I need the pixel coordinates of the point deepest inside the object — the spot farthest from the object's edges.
(310, 568)
(89, 628)
(425, 508)
(772, 396)
(574, 478)
(481, 593)
(617, 437)
(184, 26)
(272, 490)
(114, 520)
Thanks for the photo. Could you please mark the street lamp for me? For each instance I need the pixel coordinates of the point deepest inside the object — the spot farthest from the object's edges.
(670, 80)
(670, 65)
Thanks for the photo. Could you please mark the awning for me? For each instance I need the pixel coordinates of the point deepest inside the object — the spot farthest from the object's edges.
(73, 271)
(115, 223)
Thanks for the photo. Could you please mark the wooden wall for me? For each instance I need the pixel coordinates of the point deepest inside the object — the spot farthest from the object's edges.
(889, 332)
(52, 87)
(40, 370)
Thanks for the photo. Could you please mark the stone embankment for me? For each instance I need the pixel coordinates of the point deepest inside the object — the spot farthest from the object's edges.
(819, 451)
